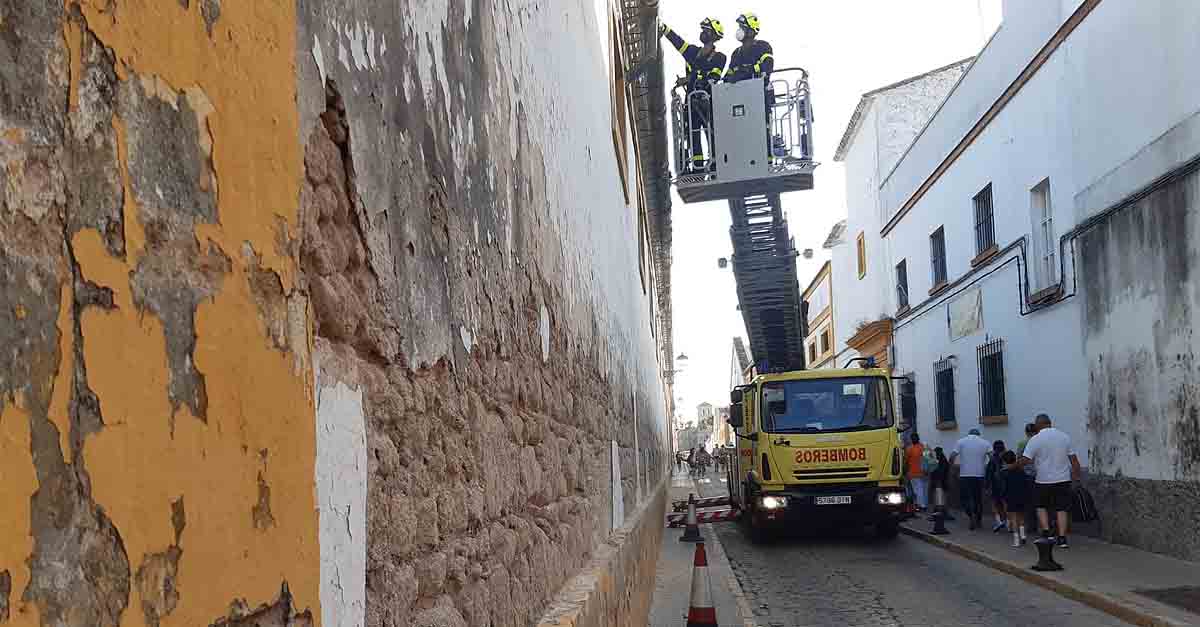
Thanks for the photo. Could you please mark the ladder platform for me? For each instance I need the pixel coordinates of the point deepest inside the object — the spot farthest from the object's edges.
(704, 187)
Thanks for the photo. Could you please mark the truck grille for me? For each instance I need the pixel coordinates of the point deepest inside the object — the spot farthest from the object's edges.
(858, 472)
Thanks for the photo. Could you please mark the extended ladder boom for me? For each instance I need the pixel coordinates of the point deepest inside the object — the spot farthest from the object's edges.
(764, 265)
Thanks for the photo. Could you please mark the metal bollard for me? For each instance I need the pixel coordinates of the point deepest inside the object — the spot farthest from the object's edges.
(1045, 549)
(939, 513)
(692, 532)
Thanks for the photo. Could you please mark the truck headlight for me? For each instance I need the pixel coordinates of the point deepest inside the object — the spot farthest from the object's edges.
(891, 498)
(773, 502)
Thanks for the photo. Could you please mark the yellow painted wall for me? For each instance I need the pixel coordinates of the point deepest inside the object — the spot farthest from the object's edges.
(260, 410)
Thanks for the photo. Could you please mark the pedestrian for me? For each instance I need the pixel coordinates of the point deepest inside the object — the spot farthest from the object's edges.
(1017, 487)
(940, 481)
(1057, 466)
(1030, 472)
(914, 457)
(971, 453)
(995, 485)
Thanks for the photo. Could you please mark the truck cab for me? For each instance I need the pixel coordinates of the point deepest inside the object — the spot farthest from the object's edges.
(817, 446)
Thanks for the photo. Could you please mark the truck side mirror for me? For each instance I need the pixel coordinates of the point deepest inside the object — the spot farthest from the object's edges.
(735, 396)
(735, 412)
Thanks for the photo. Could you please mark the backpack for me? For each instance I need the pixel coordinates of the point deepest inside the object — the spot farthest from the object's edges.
(929, 462)
(1083, 508)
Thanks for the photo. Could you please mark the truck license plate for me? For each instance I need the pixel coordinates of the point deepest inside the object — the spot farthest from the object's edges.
(833, 500)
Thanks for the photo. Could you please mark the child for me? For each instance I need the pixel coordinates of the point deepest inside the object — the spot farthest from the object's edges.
(995, 485)
(1016, 497)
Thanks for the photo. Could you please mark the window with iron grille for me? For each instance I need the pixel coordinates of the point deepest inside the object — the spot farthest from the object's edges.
(991, 379)
(826, 340)
(812, 353)
(908, 401)
(902, 284)
(944, 379)
(985, 230)
(937, 256)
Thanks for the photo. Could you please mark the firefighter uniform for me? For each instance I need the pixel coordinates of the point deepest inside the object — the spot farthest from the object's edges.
(703, 69)
(751, 60)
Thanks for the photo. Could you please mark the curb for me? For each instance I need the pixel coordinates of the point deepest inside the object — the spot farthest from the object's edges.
(718, 550)
(1091, 598)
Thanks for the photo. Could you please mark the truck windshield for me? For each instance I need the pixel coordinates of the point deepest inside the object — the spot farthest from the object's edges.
(827, 405)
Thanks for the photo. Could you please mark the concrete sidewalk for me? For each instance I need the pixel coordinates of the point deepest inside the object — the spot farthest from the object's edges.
(1136, 586)
(673, 582)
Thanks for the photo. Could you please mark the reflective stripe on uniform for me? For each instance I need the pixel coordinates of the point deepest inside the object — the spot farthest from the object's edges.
(716, 71)
(682, 49)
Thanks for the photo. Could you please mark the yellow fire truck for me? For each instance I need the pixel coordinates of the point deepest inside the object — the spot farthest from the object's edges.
(817, 446)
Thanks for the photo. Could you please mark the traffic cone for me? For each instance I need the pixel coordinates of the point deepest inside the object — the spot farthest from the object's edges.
(692, 532)
(701, 612)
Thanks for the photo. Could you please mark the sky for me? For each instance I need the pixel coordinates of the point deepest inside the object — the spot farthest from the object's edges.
(849, 47)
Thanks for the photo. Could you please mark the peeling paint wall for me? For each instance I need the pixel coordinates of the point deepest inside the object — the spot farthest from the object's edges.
(156, 413)
(1139, 315)
(473, 264)
(317, 313)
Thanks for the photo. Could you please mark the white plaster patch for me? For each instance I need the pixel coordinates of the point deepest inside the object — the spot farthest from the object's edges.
(358, 45)
(467, 339)
(544, 328)
(342, 503)
(371, 46)
(618, 494)
(319, 58)
(343, 54)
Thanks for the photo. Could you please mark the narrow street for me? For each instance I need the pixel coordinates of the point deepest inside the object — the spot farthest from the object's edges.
(849, 578)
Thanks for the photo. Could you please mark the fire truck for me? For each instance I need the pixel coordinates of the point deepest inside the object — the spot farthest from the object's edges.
(812, 445)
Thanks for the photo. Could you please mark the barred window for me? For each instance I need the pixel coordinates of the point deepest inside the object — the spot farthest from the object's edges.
(937, 255)
(991, 379)
(902, 284)
(985, 231)
(944, 378)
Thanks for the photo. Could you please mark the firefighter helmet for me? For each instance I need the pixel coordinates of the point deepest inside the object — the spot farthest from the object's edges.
(749, 21)
(714, 25)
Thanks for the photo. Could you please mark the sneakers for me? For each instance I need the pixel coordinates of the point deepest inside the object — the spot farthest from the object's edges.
(1062, 542)
(1016, 542)
(996, 528)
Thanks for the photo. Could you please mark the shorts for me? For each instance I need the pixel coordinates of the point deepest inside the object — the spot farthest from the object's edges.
(1015, 503)
(1057, 497)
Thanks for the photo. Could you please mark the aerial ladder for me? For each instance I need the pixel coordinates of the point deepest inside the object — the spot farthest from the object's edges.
(759, 133)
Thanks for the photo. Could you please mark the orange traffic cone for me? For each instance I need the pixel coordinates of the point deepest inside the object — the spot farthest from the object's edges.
(701, 612)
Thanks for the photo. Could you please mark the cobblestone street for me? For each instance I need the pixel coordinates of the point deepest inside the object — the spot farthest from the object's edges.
(849, 578)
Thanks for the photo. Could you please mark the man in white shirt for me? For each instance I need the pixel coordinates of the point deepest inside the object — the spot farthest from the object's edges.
(971, 455)
(1057, 466)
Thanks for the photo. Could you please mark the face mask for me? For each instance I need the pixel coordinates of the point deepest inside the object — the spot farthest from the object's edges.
(741, 34)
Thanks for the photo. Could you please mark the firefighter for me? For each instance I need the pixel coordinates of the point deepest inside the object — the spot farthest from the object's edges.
(754, 57)
(705, 65)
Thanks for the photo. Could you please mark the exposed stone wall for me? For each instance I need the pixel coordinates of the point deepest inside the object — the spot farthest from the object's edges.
(156, 431)
(475, 280)
(1137, 271)
(331, 316)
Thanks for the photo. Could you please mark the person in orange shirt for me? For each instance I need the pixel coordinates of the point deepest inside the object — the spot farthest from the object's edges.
(913, 456)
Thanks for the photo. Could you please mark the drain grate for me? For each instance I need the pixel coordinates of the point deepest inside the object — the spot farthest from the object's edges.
(1184, 597)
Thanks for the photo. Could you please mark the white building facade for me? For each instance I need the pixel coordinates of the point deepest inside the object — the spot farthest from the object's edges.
(1038, 239)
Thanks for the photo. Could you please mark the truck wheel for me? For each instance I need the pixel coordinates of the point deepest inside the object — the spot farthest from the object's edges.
(758, 533)
(887, 529)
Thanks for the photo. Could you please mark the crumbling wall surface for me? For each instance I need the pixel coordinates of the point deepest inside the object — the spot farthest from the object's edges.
(478, 304)
(1141, 308)
(157, 440)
